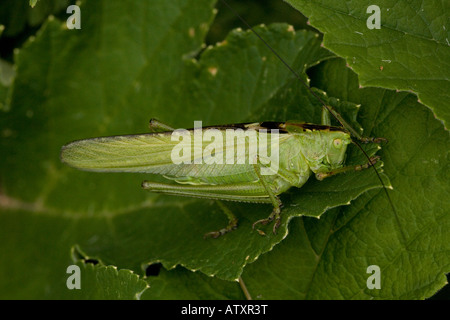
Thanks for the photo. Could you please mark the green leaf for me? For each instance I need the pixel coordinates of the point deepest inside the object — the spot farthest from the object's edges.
(18, 15)
(181, 284)
(410, 52)
(36, 253)
(328, 258)
(106, 282)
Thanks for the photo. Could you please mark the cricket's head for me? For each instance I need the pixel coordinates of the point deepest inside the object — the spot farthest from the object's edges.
(325, 150)
(337, 143)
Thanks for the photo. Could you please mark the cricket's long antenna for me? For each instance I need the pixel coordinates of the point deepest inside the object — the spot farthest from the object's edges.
(338, 118)
(384, 189)
(284, 62)
(276, 54)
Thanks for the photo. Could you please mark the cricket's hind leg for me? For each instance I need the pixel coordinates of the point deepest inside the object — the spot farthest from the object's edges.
(232, 223)
(157, 126)
(242, 192)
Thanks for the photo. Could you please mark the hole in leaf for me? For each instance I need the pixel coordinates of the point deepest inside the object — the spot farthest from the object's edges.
(153, 270)
(92, 261)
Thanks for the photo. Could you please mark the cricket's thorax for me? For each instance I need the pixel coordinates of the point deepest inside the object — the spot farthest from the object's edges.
(310, 151)
(324, 150)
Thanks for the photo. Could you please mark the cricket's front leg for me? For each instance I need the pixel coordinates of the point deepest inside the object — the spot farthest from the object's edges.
(326, 121)
(373, 140)
(372, 162)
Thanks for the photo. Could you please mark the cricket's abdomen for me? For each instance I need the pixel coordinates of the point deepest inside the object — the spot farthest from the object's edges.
(287, 170)
(213, 174)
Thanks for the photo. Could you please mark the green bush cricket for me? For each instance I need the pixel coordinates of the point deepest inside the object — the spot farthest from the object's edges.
(205, 171)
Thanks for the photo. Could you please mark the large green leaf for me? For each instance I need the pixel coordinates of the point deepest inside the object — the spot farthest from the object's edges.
(410, 52)
(329, 258)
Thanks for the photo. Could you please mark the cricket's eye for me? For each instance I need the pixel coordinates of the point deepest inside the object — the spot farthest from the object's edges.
(337, 143)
